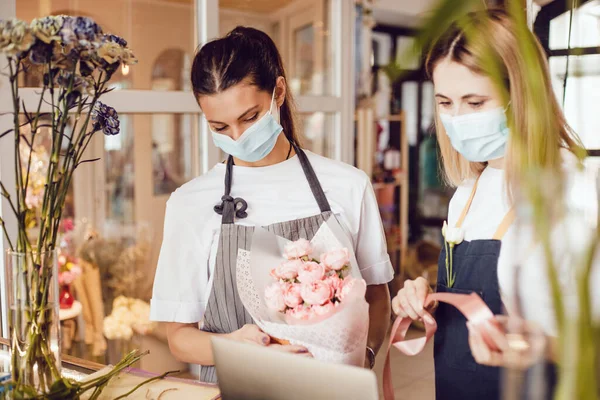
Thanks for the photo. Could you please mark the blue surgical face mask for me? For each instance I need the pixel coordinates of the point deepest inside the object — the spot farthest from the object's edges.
(257, 141)
(480, 136)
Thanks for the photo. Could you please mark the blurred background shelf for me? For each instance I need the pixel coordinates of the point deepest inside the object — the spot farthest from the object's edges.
(382, 152)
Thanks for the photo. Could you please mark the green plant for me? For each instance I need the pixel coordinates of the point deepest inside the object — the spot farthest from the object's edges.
(578, 364)
(74, 60)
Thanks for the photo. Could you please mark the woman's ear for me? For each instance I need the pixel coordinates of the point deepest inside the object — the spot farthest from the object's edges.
(280, 91)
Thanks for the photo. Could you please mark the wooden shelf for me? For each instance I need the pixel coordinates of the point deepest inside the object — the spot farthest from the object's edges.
(395, 247)
(366, 141)
(432, 221)
(391, 117)
(401, 180)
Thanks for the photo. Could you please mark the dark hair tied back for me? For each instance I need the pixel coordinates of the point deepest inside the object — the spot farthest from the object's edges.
(243, 54)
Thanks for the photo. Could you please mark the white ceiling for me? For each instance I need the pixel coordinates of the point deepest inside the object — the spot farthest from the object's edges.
(409, 13)
(406, 13)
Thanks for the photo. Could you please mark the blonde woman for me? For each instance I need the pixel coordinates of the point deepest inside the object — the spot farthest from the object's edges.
(475, 124)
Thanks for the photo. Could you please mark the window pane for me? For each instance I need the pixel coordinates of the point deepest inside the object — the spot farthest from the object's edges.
(410, 107)
(301, 35)
(404, 44)
(318, 133)
(585, 28)
(119, 173)
(427, 106)
(382, 45)
(583, 94)
(171, 146)
(172, 151)
(304, 59)
(160, 33)
(34, 165)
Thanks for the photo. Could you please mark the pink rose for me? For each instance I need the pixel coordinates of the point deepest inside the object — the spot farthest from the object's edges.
(336, 259)
(288, 270)
(292, 296)
(274, 297)
(310, 272)
(334, 282)
(298, 249)
(75, 270)
(65, 278)
(349, 285)
(67, 225)
(316, 293)
(302, 312)
(325, 309)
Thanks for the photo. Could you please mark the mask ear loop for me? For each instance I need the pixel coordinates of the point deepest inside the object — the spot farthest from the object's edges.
(272, 98)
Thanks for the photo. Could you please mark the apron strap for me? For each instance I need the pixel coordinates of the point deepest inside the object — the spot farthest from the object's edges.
(505, 224)
(467, 207)
(231, 208)
(507, 221)
(313, 181)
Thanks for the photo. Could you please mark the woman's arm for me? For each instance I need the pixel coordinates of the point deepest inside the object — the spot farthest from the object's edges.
(483, 354)
(192, 345)
(378, 297)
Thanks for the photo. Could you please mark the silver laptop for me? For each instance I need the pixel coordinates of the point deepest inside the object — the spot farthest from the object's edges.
(250, 372)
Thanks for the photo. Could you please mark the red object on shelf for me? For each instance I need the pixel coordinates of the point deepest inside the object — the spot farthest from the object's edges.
(66, 298)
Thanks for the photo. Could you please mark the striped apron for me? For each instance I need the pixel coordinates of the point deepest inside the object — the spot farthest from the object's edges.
(225, 312)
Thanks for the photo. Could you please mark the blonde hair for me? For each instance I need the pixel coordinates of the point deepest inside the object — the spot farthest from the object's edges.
(490, 43)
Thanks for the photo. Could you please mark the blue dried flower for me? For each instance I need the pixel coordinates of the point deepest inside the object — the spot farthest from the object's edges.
(47, 29)
(40, 52)
(105, 119)
(63, 79)
(81, 31)
(116, 39)
(15, 37)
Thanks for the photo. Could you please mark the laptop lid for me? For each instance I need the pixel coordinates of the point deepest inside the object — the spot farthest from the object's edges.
(251, 372)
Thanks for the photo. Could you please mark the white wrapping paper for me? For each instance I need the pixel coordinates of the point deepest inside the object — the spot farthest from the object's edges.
(341, 337)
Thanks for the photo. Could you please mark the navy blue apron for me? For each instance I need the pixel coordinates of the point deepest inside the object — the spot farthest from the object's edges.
(475, 265)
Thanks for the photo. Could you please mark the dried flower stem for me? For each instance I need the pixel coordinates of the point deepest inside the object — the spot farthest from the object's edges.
(156, 378)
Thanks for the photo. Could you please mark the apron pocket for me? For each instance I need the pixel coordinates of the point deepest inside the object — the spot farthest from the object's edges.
(451, 343)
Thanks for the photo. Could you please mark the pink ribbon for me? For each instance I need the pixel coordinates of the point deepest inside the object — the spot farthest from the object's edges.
(470, 305)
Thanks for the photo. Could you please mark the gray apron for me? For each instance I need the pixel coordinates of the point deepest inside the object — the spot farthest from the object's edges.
(225, 312)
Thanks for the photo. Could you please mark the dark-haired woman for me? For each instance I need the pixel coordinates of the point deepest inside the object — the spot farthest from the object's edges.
(268, 180)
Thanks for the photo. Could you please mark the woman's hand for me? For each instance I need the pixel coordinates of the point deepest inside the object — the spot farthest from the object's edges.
(489, 353)
(490, 344)
(250, 334)
(410, 300)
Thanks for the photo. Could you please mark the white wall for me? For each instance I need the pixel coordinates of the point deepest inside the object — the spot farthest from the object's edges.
(229, 19)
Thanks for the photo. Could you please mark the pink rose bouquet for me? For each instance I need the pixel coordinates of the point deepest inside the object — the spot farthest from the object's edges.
(307, 293)
(305, 288)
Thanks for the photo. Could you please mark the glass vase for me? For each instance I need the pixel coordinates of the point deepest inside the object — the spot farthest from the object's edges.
(34, 326)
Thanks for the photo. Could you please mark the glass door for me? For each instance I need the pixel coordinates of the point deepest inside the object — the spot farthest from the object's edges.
(164, 141)
(313, 36)
(122, 197)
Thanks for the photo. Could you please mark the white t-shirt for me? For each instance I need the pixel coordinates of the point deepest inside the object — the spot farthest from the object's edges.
(274, 194)
(489, 207)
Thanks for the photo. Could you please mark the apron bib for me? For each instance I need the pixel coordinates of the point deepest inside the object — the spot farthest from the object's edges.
(225, 311)
(475, 265)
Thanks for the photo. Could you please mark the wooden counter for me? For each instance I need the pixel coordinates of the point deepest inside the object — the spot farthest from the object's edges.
(166, 389)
